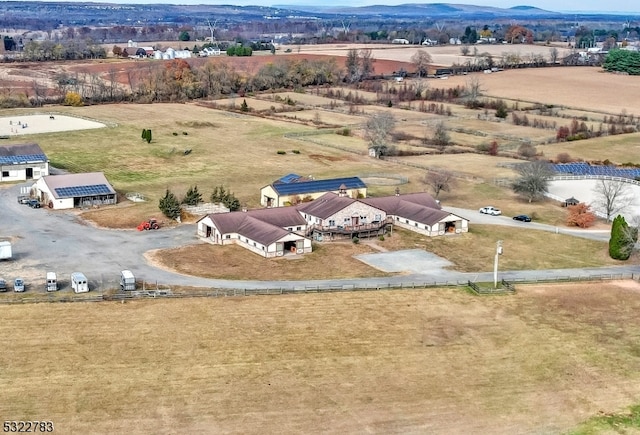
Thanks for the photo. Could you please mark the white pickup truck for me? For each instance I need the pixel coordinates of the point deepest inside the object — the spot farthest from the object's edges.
(490, 210)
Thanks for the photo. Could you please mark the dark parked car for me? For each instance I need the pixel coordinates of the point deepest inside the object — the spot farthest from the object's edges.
(522, 218)
(33, 203)
(3, 285)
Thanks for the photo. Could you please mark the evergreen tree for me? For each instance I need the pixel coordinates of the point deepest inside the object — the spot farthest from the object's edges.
(231, 202)
(623, 239)
(169, 205)
(244, 107)
(144, 134)
(192, 197)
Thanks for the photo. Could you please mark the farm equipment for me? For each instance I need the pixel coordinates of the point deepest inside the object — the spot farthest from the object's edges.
(151, 224)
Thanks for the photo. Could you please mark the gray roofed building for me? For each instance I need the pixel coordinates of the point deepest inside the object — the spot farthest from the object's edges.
(20, 162)
(75, 190)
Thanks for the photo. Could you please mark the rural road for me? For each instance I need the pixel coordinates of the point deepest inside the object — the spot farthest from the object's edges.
(45, 240)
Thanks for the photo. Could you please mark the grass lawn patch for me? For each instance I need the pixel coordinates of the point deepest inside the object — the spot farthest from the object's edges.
(333, 260)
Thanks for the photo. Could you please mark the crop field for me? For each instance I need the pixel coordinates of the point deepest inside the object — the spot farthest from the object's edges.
(584, 88)
(426, 361)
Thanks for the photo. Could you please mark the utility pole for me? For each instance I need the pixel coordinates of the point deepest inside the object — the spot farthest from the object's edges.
(495, 264)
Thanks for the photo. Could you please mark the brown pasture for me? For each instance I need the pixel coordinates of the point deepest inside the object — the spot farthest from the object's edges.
(435, 361)
(584, 88)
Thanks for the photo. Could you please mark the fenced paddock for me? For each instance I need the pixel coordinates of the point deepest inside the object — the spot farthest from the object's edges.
(155, 290)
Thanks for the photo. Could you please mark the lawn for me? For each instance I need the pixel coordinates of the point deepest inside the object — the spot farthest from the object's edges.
(426, 361)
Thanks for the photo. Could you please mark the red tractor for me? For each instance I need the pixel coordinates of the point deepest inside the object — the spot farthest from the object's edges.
(150, 224)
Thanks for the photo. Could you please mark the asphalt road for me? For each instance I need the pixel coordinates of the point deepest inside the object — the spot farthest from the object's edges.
(44, 240)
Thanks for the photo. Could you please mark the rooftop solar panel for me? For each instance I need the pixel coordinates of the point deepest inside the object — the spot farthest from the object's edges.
(75, 191)
(319, 186)
(289, 178)
(15, 160)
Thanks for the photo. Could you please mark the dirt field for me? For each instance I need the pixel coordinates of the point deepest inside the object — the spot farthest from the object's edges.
(435, 361)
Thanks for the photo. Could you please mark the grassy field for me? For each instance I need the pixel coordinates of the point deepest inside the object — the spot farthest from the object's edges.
(429, 361)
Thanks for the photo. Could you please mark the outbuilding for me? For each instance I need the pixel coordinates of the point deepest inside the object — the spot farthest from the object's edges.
(22, 162)
(271, 232)
(75, 190)
(293, 189)
(420, 213)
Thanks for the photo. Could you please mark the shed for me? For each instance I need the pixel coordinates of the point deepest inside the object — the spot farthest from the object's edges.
(75, 190)
(20, 162)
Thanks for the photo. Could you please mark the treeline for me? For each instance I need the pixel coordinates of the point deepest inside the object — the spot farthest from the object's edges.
(177, 80)
(64, 50)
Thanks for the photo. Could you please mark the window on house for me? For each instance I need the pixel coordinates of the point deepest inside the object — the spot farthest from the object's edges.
(298, 228)
(5, 173)
(228, 236)
(406, 221)
(416, 224)
(332, 223)
(377, 218)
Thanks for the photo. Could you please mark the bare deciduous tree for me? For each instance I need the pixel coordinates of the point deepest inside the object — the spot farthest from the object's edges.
(439, 181)
(377, 130)
(441, 137)
(473, 91)
(612, 197)
(533, 180)
(421, 59)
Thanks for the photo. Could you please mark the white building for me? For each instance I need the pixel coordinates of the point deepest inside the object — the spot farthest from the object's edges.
(22, 162)
(75, 190)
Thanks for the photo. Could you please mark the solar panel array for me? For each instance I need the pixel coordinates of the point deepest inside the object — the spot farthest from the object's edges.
(75, 191)
(587, 169)
(15, 160)
(289, 178)
(319, 186)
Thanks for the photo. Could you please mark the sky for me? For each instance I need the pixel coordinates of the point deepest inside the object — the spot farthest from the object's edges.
(623, 6)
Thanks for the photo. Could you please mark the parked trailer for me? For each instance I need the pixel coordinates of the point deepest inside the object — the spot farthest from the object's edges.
(5, 250)
(52, 282)
(79, 282)
(127, 280)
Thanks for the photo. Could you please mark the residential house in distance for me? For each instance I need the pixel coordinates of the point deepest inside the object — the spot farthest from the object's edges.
(75, 190)
(21, 162)
(292, 189)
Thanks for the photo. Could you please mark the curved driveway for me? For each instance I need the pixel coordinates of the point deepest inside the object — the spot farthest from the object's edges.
(45, 240)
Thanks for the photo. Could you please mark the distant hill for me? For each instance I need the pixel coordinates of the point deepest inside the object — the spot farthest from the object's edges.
(431, 10)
